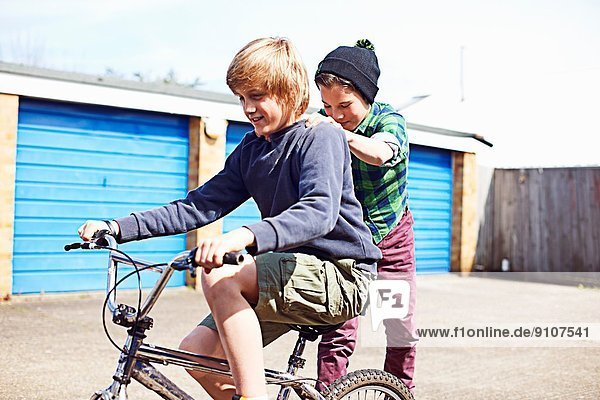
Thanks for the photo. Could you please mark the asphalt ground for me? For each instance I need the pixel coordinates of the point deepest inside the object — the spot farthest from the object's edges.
(53, 346)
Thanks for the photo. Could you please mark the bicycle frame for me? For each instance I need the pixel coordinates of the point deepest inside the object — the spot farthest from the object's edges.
(136, 356)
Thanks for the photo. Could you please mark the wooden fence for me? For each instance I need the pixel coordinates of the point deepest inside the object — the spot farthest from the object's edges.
(542, 220)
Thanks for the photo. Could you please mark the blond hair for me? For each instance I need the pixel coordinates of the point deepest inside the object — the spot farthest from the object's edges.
(275, 65)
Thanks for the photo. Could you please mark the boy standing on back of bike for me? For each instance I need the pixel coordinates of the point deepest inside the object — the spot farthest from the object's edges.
(313, 255)
(376, 133)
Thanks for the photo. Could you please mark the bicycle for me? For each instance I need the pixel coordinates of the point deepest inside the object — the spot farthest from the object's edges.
(136, 357)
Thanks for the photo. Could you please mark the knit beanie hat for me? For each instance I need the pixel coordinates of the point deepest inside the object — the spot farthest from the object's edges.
(357, 64)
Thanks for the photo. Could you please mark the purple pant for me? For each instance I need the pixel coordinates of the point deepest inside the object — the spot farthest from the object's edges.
(398, 262)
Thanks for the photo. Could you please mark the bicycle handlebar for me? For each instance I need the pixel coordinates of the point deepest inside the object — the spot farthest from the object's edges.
(85, 246)
(125, 315)
(101, 239)
(181, 262)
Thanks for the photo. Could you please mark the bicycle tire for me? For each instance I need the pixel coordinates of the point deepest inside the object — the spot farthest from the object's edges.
(368, 384)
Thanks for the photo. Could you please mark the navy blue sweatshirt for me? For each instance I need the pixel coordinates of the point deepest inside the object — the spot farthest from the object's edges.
(301, 181)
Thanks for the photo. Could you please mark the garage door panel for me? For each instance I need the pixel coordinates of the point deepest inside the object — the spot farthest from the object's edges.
(81, 260)
(89, 176)
(77, 162)
(430, 199)
(25, 244)
(435, 233)
(430, 156)
(428, 226)
(427, 214)
(436, 176)
(72, 115)
(440, 204)
(431, 244)
(41, 227)
(79, 210)
(102, 160)
(57, 192)
(86, 141)
(34, 282)
(433, 254)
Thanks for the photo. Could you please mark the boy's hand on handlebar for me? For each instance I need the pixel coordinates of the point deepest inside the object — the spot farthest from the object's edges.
(211, 250)
(90, 227)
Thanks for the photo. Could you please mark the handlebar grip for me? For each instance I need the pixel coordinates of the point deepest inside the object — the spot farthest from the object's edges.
(228, 258)
(84, 246)
(233, 258)
(72, 246)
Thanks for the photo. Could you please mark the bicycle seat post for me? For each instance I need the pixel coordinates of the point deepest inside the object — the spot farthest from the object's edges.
(295, 362)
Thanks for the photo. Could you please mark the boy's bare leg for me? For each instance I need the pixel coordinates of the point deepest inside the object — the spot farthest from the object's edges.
(205, 341)
(229, 291)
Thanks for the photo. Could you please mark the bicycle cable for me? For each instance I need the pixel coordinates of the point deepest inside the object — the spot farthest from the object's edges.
(294, 380)
(139, 300)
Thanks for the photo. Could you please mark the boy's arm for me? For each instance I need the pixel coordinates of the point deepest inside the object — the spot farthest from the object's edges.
(370, 150)
(391, 130)
(386, 147)
(322, 160)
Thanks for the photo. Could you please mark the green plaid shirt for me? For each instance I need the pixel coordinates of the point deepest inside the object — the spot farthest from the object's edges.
(382, 190)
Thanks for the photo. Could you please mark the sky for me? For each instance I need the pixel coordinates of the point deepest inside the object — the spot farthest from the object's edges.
(529, 81)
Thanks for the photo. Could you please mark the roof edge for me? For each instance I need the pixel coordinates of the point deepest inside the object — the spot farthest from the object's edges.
(151, 87)
(449, 132)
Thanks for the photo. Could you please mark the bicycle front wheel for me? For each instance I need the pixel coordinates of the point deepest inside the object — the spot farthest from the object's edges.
(368, 384)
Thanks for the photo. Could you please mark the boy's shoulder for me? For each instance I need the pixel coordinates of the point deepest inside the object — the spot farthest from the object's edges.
(385, 109)
(249, 139)
(325, 132)
(382, 116)
(317, 138)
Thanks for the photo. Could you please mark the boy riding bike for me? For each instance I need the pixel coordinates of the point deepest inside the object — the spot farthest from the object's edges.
(313, 255)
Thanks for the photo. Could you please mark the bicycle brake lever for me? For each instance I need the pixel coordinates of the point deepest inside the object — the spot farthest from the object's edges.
(99, 237)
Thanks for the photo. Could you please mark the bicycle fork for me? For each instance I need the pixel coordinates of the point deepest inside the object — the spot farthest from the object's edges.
(144, 373)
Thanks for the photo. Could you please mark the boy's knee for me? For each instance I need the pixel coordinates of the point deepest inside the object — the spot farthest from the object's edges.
(188, 343)
(199, 340)
(217, 284)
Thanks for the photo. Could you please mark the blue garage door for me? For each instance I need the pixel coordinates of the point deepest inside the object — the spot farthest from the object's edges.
(430, 191)
(430, 200)
(78, 162)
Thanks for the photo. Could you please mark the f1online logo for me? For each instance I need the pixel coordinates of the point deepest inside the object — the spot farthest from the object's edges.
(389, 299)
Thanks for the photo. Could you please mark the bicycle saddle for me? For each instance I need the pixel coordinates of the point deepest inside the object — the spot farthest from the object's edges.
(312, 332)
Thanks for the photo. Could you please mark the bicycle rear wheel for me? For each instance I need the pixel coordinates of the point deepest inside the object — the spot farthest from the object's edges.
(368, 384)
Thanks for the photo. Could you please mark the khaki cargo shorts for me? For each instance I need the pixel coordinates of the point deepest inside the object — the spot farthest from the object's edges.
(304, 290)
